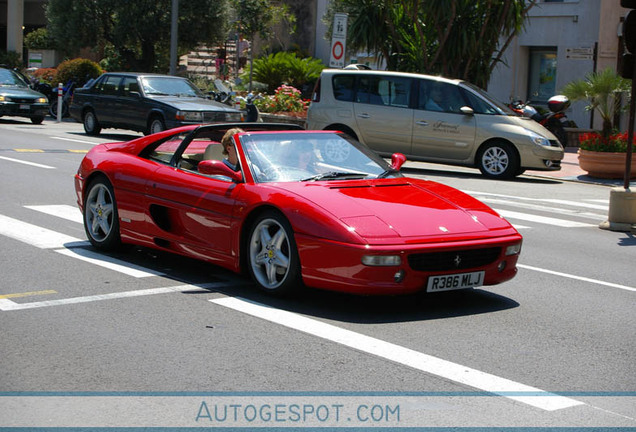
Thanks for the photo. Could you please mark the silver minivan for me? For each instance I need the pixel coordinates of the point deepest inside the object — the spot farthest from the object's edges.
(431, 119)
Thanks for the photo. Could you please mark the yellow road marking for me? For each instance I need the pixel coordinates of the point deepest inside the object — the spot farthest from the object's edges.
(26, 294)
(78, 151)
(29, 150)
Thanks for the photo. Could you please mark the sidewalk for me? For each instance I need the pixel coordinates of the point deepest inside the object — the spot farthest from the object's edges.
(571, 171)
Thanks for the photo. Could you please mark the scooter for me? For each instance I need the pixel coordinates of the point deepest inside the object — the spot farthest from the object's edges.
(251, 111)
(555, 121)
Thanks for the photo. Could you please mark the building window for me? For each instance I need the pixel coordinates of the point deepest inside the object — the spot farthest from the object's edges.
(542, 75)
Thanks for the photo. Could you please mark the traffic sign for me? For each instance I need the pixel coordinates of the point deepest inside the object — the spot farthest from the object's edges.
(338, 41)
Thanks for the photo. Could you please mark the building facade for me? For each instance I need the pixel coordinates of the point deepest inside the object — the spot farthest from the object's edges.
(562, 41)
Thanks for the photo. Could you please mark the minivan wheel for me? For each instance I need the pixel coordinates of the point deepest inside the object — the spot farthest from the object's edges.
(498, 160)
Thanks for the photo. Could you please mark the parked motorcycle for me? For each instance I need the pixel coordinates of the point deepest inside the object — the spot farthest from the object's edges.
(555, 121)
(67, 94)
(223, 93)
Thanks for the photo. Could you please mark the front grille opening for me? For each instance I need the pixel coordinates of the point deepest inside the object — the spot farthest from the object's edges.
(453, 260)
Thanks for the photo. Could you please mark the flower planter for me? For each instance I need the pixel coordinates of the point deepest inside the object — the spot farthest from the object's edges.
(605, 165)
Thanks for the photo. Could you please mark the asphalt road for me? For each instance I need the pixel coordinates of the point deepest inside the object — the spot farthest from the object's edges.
(144, 338)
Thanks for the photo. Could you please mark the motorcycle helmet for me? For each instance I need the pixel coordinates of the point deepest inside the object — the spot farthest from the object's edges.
(558, 103)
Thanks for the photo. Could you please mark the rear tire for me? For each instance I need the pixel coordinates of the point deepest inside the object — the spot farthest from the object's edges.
(91, 125)
(53, 109)
(101, 219)
(37, 120)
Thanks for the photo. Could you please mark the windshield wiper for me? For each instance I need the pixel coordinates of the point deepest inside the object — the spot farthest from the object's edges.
(334, 175)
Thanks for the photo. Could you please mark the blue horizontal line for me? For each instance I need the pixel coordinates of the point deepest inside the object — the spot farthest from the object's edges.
(320, 393)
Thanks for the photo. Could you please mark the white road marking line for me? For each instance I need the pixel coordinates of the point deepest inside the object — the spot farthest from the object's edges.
(74, 140)
(34, 235)
(542, 219)
(62, 211)
(549, 200)
(423, 362)
(520, 227)
(8, 305)
(120, 266)
(69, 246)
(27, 163)
(543, 208)
(581, 278)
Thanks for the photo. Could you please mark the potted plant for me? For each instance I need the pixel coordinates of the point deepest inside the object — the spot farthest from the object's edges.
(602, 91)
(604, 157)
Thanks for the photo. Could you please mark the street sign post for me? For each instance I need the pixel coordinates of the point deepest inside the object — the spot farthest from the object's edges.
(338, 41)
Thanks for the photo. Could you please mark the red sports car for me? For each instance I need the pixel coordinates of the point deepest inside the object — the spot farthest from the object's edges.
(312, 208)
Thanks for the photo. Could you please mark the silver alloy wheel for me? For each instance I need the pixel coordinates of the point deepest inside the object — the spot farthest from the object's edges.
(99, 212)
(269, 252)
(495, 160)
(156, 125)
(89, 121)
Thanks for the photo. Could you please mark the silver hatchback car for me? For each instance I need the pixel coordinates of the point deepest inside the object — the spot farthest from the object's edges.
(432, 119)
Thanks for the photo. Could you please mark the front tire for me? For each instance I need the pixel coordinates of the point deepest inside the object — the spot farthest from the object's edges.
(101, 219)
(498, 160)
(37, 120)
(272, 255)
(91, 125)
(155, 125)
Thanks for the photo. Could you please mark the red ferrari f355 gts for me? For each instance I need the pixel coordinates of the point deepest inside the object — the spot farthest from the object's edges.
(312, 208)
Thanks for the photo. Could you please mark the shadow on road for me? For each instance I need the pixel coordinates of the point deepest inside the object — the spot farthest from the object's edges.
(319, 303)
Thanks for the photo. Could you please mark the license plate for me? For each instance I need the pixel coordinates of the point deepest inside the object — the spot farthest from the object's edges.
(455, 281)
(24, 107)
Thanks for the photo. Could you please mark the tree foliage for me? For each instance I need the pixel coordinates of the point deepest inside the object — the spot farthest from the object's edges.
(454, 38)
(258, 17)
(138, 31)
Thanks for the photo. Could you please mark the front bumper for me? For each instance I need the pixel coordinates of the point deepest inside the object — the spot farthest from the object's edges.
(23, 109)
(337, 266)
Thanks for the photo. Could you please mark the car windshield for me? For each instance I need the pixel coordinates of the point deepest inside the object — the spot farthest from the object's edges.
(498, 106)
(310, 156)
(9, 78)
(161, 86)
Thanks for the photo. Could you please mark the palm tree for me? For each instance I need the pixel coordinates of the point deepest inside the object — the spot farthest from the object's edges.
(602, 90)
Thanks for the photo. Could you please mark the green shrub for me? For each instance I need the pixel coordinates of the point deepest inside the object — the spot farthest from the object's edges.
(39, 40)
(80, 70)
(11, 59)
(285, 68)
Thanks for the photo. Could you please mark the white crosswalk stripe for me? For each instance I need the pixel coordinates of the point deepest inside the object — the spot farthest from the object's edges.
(568, 214)
(44, 238)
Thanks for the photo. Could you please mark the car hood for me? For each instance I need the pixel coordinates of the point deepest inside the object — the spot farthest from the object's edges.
(193, 104)
(400, 208)
(532, 125)
(23, 92)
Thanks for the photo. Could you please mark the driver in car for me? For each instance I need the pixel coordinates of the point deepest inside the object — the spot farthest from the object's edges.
(231, 159)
